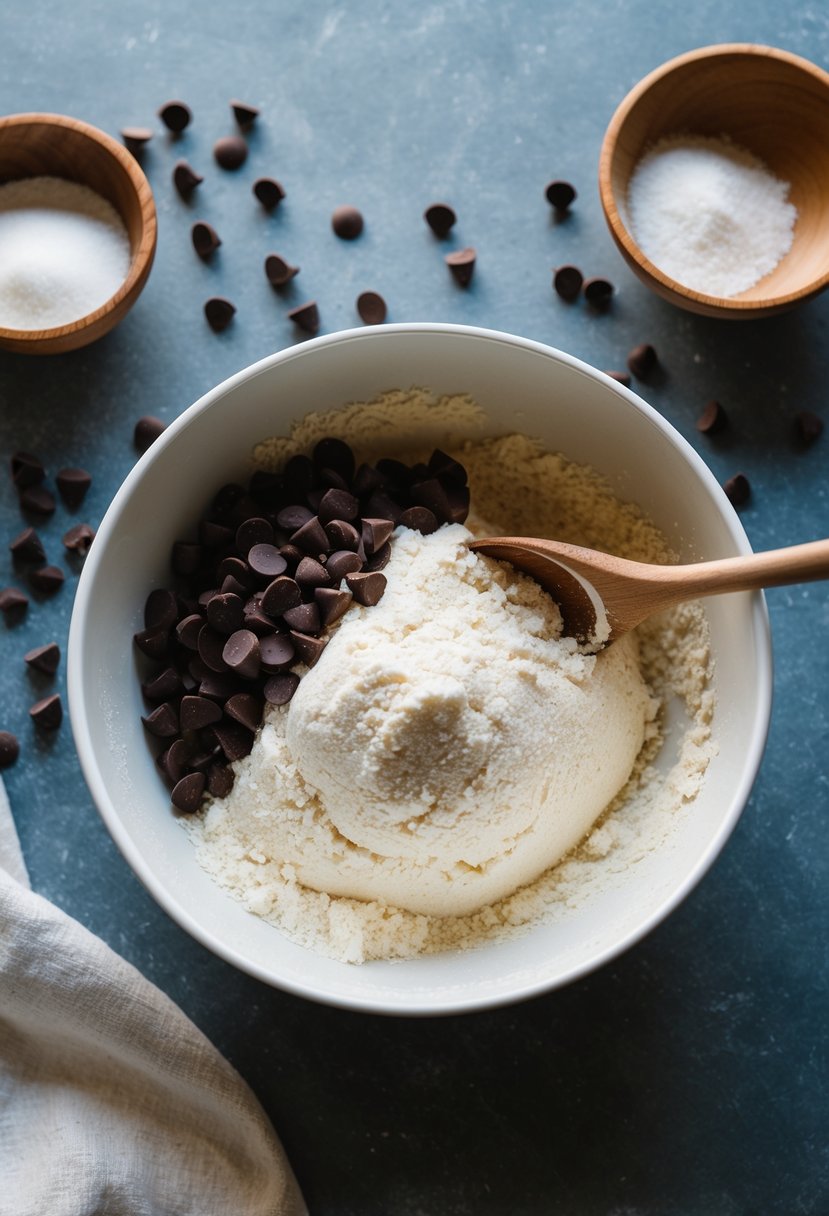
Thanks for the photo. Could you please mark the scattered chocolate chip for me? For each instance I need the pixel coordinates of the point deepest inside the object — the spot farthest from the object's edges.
(712, 419)
(27, 470)
(567, 282)
(279, 689)
(78, 539)
(187, 793)
(279, 272)
(196, 712)
(147, 430)
(47, 579)
(367, 589)
(160, 609)
(306, 317)
(809, 426)
(47, 714)
(737, 489)
(219, 313)
(230, 152)
(44, 658)
(135, 138)
(462, 265)
(13, 603)
(372, 308)
(598, 293)
(419, 519)
(241, 653)
(621, 377)
(269, 192)
(175, 115)
(185, 178)
(331, 603)
(244, 114)
(220, 778)
(277, 652)
(205, 238)
(441, 218)
(153, 643)
(559, 194)
(234, 739)
(163, 687)
(38, 500)
(347, 222)
(642, 360)
(245, 708)
(27, 547)
(72, 486)
(10, 748)
(162, 721)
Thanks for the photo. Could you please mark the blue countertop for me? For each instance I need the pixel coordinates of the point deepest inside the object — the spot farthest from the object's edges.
(683, 1079)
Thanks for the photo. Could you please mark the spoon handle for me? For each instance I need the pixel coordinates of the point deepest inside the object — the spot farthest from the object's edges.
(775, 568)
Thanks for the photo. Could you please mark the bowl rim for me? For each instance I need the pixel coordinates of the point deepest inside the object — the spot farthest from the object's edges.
(410, 1006)
(140, 261)
(714, 305)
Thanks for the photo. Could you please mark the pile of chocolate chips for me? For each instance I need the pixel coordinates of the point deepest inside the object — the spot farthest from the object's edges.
(256, 589)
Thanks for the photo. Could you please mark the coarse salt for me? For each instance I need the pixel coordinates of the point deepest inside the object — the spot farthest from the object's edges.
(708, 213)
(64, 251)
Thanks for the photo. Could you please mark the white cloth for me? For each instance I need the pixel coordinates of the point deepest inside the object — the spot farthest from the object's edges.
(112, 1103)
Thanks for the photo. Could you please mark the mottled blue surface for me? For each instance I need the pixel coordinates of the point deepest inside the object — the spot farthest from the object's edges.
(685, 1079)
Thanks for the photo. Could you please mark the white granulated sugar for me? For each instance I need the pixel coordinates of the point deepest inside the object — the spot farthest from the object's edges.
(64, 251)
(708, 213)
(255, 843)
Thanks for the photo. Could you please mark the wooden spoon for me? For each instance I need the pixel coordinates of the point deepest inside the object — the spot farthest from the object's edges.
(602, 597)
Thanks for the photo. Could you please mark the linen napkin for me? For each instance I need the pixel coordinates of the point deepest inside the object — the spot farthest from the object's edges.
(112, 1103)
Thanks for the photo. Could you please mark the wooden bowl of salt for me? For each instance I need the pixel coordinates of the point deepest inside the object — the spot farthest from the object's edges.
(714, 180)
(77, 233)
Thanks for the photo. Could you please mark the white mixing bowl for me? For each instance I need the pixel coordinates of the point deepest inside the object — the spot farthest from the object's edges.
(520, 385)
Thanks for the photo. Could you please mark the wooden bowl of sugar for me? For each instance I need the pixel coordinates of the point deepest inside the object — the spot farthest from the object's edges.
(77, 233)
(714, 180)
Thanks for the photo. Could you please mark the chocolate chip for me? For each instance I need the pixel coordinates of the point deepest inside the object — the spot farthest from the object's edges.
(442, 465)
(244, 114)
(441, 218)
(809, 426)
(293, 517)
(279, 272)
(188, 792)
(279, 689)
(47, 579)
(598, 292)
(230, 152)
(243, 707)
(620, 377)
(211, 648)
(47, 714)
(347, 222)
(220, 778)
(277, 652)
(331, 603)
(205, 238)
(241, 653)
(38, 500)
(147, 430)
(458, 499)
(431, 494)
(336, 454)
(218, 686)
(135, 138)
(338, 504)
(308, 648)
(27, 547)
(27, 470)
(375, 533)
(254, 531)
(305, 618)
(188, 630)
(381, 506)
(366, 480)
(13, 603)
(737, 489)
(44, 658)
(266, 561)
(163, 687)
(225, 613)
(567, 282)
(419, 519)
(291, 554)
(10, 748)
(306, 317)
(160, 609)
(219, 312)
(235, 740)
(72, 486)
(462, 265)
(380, 559)
(560, 195)
(642, 360)
(342, 535)
(341, 563)
(196, 712)
(371, 307)
(162, 722)
(367, 589)
(256, 619)
(175, 115)
(310, 574)
(712, 419)
(269, 192)
(280, 595)
(78, 539)
(311, 537)
(185, 178)
(154, 643)
(186, 557)
(176, 760)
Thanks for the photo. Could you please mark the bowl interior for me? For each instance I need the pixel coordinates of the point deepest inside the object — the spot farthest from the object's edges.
(520, 386)
(773, 104)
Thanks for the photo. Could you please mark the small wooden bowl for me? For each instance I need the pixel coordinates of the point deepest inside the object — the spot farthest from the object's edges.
(33, 145)
(771, 102)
